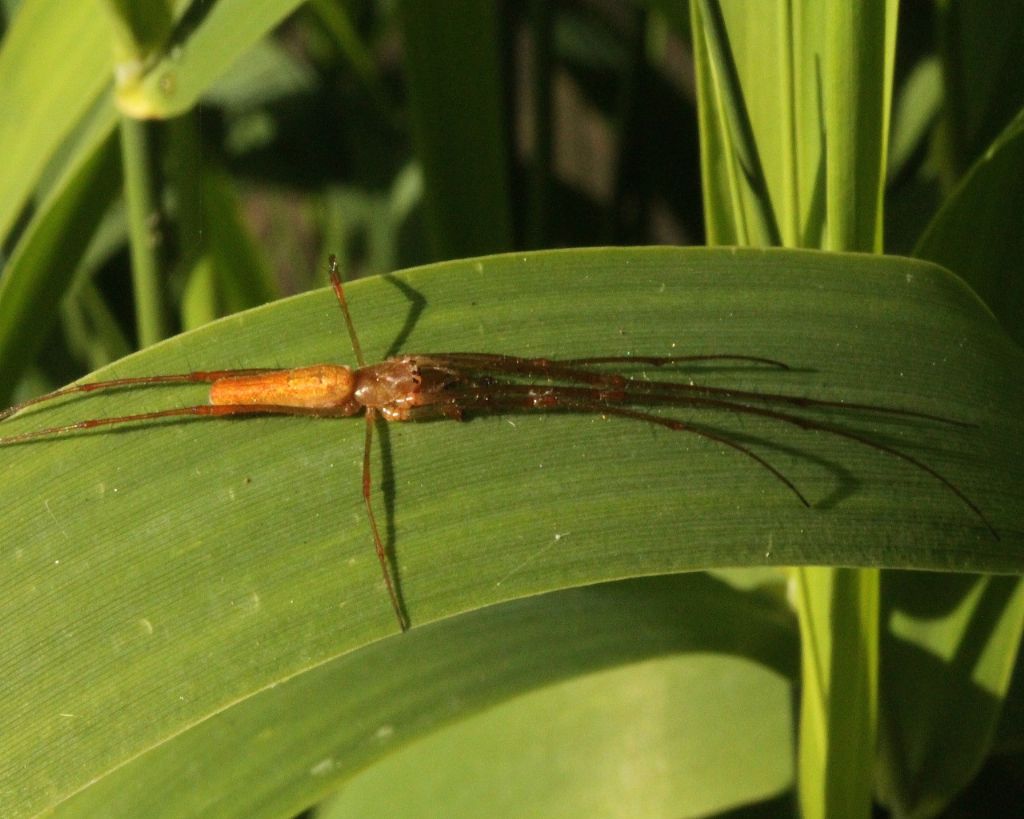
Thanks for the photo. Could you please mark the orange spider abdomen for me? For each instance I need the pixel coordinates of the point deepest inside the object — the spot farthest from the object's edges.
(321, 386)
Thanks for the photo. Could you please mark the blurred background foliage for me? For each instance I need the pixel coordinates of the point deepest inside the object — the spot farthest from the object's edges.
(370, 129)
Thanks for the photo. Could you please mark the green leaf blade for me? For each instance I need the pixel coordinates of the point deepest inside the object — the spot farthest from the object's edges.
(977, 232)
(175, 570)
(55, 60)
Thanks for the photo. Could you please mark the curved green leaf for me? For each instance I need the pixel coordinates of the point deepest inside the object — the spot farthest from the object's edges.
(579, 653)
(977, 232)
(174, 571)
(951, 648)
(208, 39)
(685, 736)
(44, 261)
(979, 48)
(55, 60)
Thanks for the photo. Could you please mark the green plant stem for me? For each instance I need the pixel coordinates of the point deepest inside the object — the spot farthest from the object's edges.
(838, 615)
(144, 229)
(859, 48)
